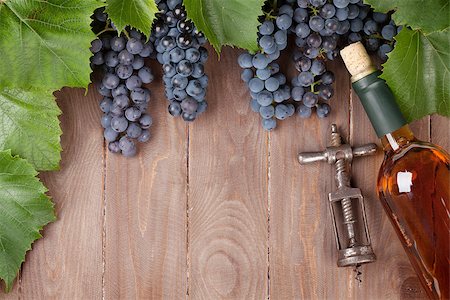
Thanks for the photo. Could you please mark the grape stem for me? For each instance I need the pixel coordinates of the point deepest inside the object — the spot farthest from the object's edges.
(104, 30)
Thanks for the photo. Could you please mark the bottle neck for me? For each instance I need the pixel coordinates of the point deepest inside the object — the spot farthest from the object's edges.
(379, 104)
(397, 139)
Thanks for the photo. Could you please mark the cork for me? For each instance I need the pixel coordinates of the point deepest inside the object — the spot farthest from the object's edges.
(357, 61)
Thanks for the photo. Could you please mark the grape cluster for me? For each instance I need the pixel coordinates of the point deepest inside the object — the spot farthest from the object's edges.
(268, 86)
(180, 51)
(125, 99)
(323, 26)
(321, 29)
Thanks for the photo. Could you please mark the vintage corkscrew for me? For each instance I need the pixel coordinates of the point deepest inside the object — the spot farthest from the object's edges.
(347, 203)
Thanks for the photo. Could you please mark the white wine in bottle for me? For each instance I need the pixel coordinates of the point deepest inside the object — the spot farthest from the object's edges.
(413, 181)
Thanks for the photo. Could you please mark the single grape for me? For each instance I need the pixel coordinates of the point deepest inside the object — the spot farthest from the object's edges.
(111, 59)
(265, 98)
(327, 78)
(316, 23)
(267, 112)
(284, 21)
(388, 32)
(370, 27)
(269, 124)
(106, 120)
(256, 85)
(297, 93)
(132, 114)
(318, 67)
(341, 3)
(188, 117)
(144, 137)
(266, 28)
(325, 91)
(140, 95)
(306, 79)
(125, 57)
(184, 68)
(304, 111)
(145, 121)
(134, 131)
(379, 17)
(138, 62)
(302, 30)
(110, 81)
(122, 101)
(127, 145)
(134, 46)
(323, 110)
(317, 3)
(272, 84)
(133, 82)
(118, 43)
(147, 50)
(176, 55)
(193, 55)
(175, 108)
(263, 74)
(119, 124)
(194, 88)
(98, 59)
(310, 99)
(260, 61)
(301, 15)
(123, 71)
(342, 13)
(281, 112)
(114, 147)
(327, 11)
(246, 75)
(146, 75)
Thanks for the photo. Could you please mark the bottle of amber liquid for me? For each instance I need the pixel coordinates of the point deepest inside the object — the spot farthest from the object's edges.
(414, 179)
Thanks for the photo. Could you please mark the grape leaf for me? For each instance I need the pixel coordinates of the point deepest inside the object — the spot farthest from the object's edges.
(45, 44)
(30, 126)
(230, 22)
(24, 210)
(418, 73)
(136, 13)
(426, 15)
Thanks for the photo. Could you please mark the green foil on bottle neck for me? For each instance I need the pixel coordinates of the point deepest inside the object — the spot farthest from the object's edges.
(379, 104)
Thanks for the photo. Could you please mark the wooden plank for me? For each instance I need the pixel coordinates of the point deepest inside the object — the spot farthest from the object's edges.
(227, 191)
(391, 276)
(67, 262)
(302, 247)
(145, 253)
(440, 131)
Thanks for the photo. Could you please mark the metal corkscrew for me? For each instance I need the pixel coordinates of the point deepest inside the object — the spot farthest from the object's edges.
(347, 203)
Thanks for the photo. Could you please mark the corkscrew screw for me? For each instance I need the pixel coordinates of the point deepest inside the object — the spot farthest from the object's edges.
(347, 203)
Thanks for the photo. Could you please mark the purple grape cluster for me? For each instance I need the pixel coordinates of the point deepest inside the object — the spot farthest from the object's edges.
(180, 51)
(321, 29)
(125, 99)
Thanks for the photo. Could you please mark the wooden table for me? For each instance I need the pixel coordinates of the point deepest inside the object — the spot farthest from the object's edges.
(215, 209)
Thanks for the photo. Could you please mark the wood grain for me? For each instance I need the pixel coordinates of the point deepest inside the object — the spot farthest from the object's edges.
(145, 234)
(227, 192)
(218, 209)
(67, 262)
(302, 248)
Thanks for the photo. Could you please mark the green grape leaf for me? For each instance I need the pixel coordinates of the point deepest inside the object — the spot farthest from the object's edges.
(30, 126)
(426, 15)
(136, 13)
(418, 73)
(24, 210)
(230, 22)
(45, 44)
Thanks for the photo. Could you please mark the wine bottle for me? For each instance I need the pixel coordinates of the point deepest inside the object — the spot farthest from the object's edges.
(414, 178)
